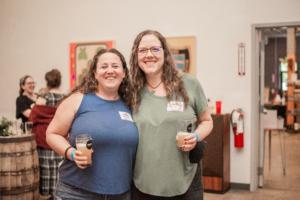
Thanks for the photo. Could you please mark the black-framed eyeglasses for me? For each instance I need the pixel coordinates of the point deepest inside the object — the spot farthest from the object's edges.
(155, 50)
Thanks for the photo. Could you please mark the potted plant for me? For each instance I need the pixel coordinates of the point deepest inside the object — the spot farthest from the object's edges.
(4, 126)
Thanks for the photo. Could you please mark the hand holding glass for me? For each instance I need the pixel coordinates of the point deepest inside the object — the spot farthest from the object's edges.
(184, 128)
(84, 144)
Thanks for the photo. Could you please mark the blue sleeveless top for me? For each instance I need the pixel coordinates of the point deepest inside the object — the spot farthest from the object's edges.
(114, 139)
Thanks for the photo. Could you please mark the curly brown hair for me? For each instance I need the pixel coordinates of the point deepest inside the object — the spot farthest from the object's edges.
(171, 78)
(90, 84)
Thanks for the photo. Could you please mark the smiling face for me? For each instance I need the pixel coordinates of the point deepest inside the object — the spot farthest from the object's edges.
(109, 72)
(150, 55)
(28, 85)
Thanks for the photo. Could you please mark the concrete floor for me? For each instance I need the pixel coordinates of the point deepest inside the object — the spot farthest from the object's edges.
(276, 186)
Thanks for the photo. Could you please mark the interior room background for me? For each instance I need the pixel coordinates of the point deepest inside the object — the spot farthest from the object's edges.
(35, 37)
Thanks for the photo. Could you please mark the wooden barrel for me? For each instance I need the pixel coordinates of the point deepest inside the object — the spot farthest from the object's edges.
(19, 168)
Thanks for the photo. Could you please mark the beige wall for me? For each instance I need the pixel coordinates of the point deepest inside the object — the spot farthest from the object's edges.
(35, 35)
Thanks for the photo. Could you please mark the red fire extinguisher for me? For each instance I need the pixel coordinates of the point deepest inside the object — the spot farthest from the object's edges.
(237, 122)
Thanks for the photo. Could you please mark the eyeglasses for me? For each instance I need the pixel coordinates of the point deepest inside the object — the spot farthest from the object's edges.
(154, 50)
(30, 83)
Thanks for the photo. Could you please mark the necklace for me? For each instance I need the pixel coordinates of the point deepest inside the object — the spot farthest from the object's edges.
(154, 87)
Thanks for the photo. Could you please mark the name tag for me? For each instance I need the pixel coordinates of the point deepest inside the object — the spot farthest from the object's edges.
(125, 116)
(175, 106)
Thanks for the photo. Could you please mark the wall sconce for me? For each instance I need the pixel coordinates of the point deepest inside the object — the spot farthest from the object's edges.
(241, 59)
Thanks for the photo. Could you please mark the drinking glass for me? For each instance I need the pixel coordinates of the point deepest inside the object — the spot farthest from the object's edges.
(18, 128)
(184, 128)
(84, 144)
(28, 128)
(218, 107)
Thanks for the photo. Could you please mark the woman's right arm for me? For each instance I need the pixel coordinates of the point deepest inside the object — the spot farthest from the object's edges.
(26, 112)
(59, 127)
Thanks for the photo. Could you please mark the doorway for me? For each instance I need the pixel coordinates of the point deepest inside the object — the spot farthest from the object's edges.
(269, 57)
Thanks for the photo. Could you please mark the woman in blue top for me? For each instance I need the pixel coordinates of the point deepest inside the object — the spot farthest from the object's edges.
(99, 108)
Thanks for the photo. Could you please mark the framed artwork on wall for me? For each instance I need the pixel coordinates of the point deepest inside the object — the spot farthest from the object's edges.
(81, 56)
(184, 52)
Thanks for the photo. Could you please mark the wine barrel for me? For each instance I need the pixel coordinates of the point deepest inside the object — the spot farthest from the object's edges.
(19, 168)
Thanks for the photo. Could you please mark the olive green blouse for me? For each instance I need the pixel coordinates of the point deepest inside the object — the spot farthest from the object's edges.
(162, 169)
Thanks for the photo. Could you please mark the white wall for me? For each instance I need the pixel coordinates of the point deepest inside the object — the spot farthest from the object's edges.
(35, 37)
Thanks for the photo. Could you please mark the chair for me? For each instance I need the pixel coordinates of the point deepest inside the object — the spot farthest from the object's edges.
(272, 123)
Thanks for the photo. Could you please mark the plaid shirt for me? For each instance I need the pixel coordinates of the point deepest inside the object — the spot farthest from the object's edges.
(52, 99)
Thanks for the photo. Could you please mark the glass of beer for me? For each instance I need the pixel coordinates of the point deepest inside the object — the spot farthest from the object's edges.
(184, 128)
(84, 144)
(28, 128)
(18, 127)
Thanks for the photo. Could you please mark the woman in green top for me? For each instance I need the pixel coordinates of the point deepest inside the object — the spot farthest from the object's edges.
(161, 97)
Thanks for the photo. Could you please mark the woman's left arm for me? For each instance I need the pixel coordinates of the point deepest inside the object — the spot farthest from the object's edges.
(205, 125)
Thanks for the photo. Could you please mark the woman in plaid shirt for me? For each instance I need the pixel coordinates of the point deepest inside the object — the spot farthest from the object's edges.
(41, 115)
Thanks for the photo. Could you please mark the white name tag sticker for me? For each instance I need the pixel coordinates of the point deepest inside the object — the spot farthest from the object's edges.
(175, 106)
(125, 116)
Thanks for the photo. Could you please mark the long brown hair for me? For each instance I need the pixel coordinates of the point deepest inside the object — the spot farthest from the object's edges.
(22, 83)
(170, 77)
(89, 83)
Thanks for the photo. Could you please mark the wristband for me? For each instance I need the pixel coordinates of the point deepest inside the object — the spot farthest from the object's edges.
(72, 155)
(66, 151)
(197, 136)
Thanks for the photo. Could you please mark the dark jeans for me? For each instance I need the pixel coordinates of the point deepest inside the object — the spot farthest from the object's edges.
(195, 191)
(68, 192)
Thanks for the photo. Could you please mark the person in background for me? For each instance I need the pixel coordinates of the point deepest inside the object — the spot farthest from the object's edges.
(26, 99)
(99, 107)
(51, 95)
(41, 115)
(275, 97)
(161, 97)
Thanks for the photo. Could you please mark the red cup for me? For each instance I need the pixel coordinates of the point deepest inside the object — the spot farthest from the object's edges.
(218, 107)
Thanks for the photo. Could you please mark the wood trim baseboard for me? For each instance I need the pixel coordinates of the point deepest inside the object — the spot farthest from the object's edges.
(240, 186)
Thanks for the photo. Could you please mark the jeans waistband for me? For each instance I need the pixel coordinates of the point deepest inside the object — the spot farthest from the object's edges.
(66, 191)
